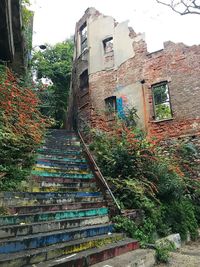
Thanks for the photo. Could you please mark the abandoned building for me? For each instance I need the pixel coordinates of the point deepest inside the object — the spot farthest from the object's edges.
(113, 70)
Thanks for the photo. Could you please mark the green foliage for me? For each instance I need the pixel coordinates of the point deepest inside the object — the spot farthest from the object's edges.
(54, 64)
(162, 251)
(143, 232)
(143, 178)
(180, 216)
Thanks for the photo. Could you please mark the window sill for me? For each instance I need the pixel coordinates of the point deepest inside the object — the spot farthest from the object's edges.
(164, 120)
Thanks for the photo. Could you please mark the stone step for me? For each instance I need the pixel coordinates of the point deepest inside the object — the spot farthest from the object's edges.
(65, 144)
(47, 168)
(50, 226)
(41, 255)
(61, 152)
(50, 216)
(61, 180)
(54, 207)
(62, 165)
(17, 244)
(135, 258)
(63, 174)
(72, 159)
(61, 160)
(92, 256)
(56, 200)
(63, 189)
(78, 186)
(37, 197)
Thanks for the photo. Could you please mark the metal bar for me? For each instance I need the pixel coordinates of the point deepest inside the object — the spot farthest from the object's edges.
(98, 170)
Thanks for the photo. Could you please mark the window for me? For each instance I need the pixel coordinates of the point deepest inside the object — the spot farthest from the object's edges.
(161, 100)
(83, 34)
(111, 105)
(108, 45)
(84, 81)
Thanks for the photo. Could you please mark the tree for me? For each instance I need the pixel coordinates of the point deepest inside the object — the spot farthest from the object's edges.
(54, 65)
(183, 7)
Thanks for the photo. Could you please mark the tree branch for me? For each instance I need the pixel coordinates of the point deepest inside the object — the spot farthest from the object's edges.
(190, 6)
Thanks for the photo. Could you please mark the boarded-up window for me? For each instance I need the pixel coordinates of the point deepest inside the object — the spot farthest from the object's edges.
(161, 100)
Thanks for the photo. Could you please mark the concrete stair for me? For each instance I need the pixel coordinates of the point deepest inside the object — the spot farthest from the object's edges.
(64, 219)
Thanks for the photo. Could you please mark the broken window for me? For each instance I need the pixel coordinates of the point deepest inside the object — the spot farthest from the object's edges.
(83, 34)
(108, 45)
(84, 80)
(111, 105)
(161, 100)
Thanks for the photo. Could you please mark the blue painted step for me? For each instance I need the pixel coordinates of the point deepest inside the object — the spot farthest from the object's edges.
(30, 242)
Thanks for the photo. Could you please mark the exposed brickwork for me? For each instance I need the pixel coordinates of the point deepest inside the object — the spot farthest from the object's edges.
(177, 64)
(180, 66)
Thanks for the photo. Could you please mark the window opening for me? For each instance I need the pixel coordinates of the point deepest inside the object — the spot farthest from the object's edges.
(84, 80)
(161, 100)
(83, 34)
(108, 45)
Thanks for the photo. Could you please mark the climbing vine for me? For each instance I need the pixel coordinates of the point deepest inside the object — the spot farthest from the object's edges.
(21, 129)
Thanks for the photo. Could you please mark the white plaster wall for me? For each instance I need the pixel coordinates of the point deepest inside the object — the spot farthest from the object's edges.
(133, 93)
(98, 29)
(123, 48)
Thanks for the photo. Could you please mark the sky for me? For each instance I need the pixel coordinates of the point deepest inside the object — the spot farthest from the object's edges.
(54, 20)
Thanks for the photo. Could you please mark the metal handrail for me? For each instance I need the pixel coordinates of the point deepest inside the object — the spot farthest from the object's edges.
(98, 170)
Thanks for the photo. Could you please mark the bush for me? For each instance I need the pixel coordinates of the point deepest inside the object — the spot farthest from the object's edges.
(142, 177)
(21, 129)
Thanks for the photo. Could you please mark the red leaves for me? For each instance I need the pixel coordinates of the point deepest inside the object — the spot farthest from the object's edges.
(19, 108)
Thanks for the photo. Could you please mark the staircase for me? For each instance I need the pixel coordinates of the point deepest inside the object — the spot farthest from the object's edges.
(63, 220)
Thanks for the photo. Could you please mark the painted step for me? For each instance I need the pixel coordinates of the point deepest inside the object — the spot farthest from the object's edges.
(72, 150)
(54, 207)
(60, 159)
(26, 201)
(77, 186)
(50, 226)
(64, 169)
(50, 216)
(93, 255)
(35, 196)
(18, 244)
(62, 174)
(47, 179)
(62, 165)
(35, 256)
(63, 189)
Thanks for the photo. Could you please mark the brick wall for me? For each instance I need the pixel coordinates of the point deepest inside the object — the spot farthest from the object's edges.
(177, 64)
(180, 66)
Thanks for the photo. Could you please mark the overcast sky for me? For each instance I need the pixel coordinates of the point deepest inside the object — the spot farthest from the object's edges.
(54, 20)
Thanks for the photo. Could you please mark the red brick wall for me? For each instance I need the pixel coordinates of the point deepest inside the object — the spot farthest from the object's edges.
(180, 66)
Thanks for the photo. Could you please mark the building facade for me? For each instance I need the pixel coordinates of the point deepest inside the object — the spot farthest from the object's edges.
(114, 73)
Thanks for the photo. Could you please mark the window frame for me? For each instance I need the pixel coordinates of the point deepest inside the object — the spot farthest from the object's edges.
(83, 39)
(84, 85)
(105, 41)
(153, 86)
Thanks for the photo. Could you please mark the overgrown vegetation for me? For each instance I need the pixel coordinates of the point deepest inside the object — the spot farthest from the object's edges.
(21, 129)
(53, 73)
(143, 177)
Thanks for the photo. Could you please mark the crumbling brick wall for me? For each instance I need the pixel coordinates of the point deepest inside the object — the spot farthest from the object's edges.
(179, 65)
